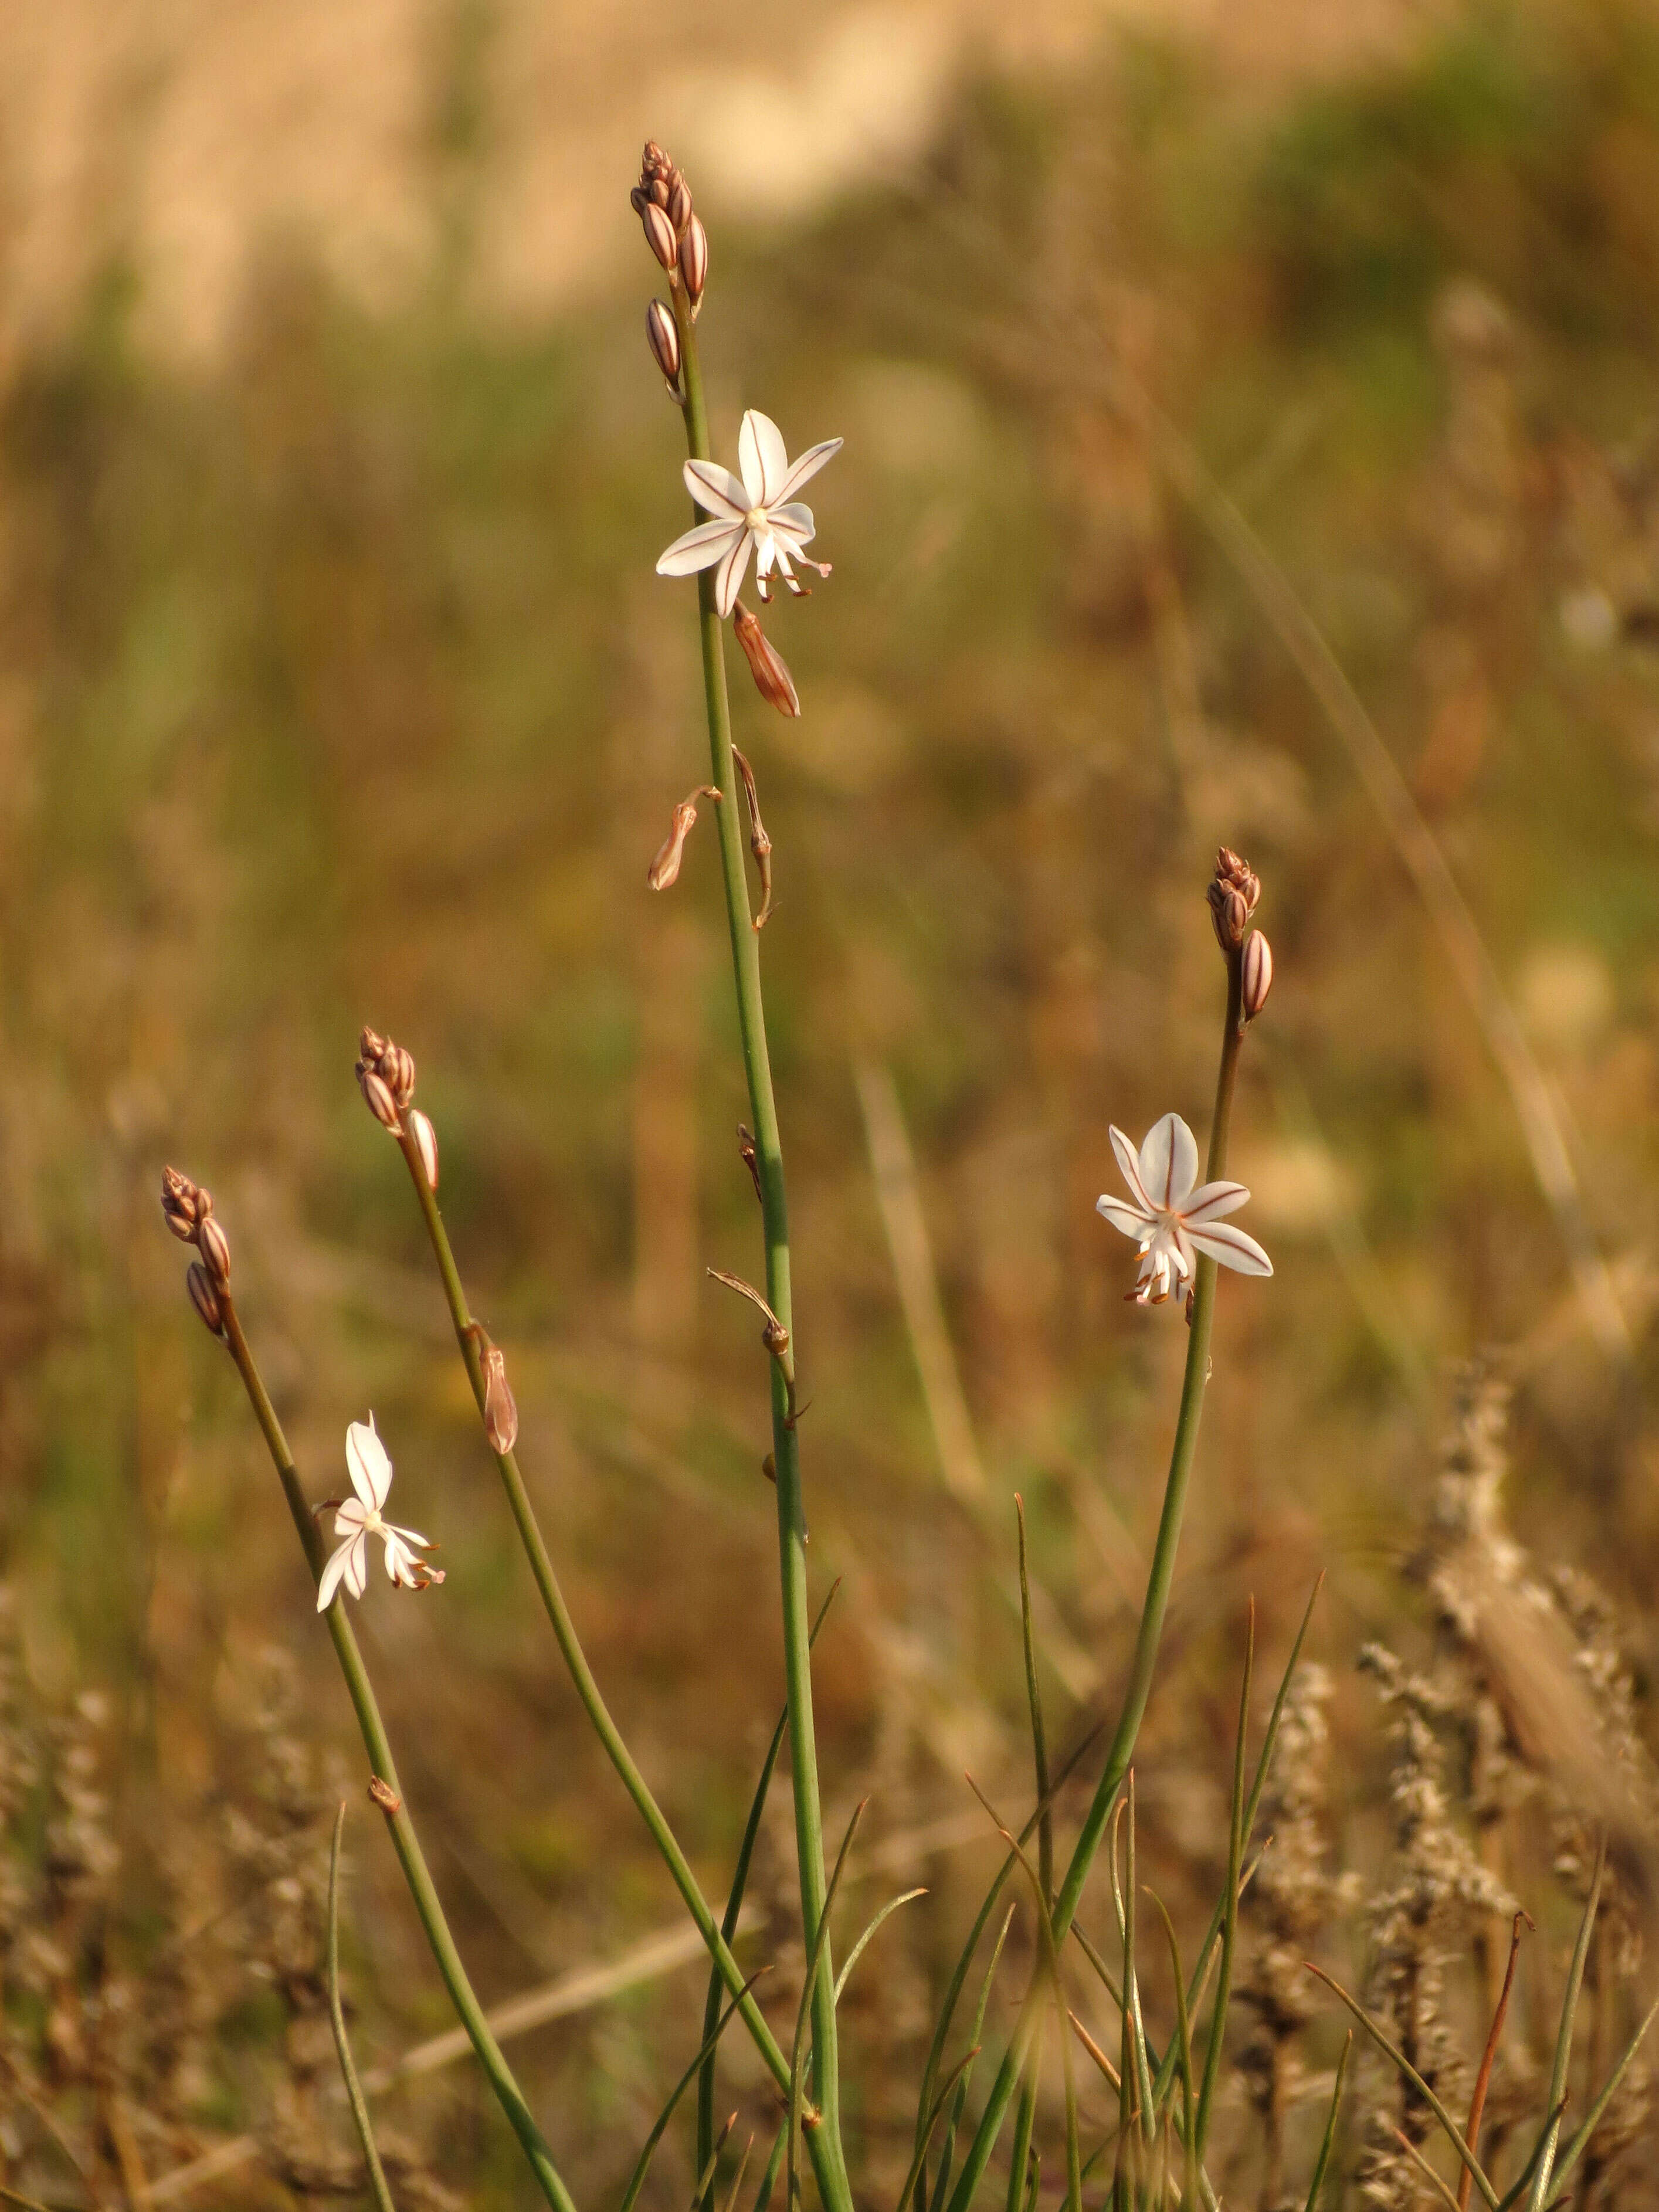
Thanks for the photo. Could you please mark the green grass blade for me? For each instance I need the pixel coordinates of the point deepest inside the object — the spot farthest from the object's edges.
(1019, 2162)
(907, 1897)
(731, 2194)
(770, 2178)
(1425, 2169)
(1229, 1923)
(1329, 2137)
(959, 2095)
(1540, 2180)
(359, 2103)
(734, 1907)
(1522, 2181)
(705, 2180)
(1132, 1981)
(946, 2087)
(643, 2165)
(1184, 2033)
(1391, 2050)
(1039, 1739)
(1592, 2119)
(798, 2049)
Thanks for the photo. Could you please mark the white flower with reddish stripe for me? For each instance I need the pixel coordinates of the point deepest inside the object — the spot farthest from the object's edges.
(757, 511)
(356, 1519)
(1170, 1220)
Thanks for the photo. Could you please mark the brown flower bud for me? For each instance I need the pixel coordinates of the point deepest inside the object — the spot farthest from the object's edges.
(1255, 974)
(370, 1045)
(653, 162)
(381, 1104)
(205, 1297)
(501, 1413)
(766, 664)
(637, 198)
(183, 1204)
(426, 1143)
(664, 339)
(383, 1795)
(679, 202)
(1229, 915)
(658, 194)
(694, 259)
(215, 1248)
(660, 234)
(397, 1068)
(664, 870)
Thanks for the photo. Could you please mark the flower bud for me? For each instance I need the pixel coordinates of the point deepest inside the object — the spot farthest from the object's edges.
(183, 1204)
(382, 1794)
(205, 1297)
(654, 162)
(664, 339)
(664, 870)
(426, 1142)
(637, 199)
(501, 1413)
(766, 664)
(381, 1104)
(215, 1248)
(398, 1069)
(679, 202)
(694, 259)
(1255, 974)
(1234, 889)
(660, 234)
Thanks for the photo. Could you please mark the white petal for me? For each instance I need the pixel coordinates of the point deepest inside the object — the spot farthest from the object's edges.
(350, 1516)
(330, 1580)
(356, 1566)
(1212, 1200)
(409, 1536)
(699, 548)
(398, 1558)
(729, 581)
(1233, 1248)
(1129, 1163)
(808, 466)
(717, 489)
(794, 522)
(1121, 1215)
(766, 552)
(1168, 1163)
(762, 458)
(1181, 1245)
(367, 1462)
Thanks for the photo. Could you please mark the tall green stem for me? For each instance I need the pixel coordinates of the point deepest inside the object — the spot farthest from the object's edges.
(404, 1841)
(1155, 1606)
(792, 1524)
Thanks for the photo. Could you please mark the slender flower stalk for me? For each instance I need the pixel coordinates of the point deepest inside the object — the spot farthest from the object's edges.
(390, 1795)
(1159, 1580)
(487, 1373)
(825, 2139)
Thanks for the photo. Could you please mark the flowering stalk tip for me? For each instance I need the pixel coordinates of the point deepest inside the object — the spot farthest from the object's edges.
(1234, 889)
(1170, 1220)
(386, 1076)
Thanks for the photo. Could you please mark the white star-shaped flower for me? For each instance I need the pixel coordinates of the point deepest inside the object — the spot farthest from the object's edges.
(758, 509)
(1169, 1219)
(358, 1518)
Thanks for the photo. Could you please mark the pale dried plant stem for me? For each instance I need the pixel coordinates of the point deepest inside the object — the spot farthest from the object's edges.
(376, 1742)
(825, 2139)
(570, 1644)
(1159, 1582)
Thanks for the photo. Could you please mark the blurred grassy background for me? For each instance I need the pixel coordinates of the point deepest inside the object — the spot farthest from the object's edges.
(335, 686)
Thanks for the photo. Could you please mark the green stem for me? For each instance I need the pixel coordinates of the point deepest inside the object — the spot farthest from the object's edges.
(404, 1841)
(354, 2086)
(576, 1659)
(1155, 1606)
(792, 1521)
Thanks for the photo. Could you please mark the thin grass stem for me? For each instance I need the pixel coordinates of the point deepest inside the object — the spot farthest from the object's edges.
(354, 2087)
(1034, 1702)
(1326, 2141)
(642, 2164)
(1230, 1925)
(1540, 2180)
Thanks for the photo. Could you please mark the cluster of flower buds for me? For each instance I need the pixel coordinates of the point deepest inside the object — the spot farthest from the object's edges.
(766, 664)
(386, 1076)
(187, 1210)
(673, 231)
(1234, 889)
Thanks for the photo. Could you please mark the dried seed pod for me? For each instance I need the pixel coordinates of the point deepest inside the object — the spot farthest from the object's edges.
(381, 1104)
(679, 202)
(664, 339)
(766, 664)
(215, 1248)
(664, 870)
(659, 235)
(694, 259)
(383, 1795)
(205, 1297)
(426, 1143)
(183, 1204)
(501, 1412)
(1255, 974)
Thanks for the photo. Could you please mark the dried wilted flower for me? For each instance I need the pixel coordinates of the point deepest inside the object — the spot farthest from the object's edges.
(382, 1793)
(1234, 889)
(426, 1143)
(205, 1297)
(694, 258)
(1256, 975)
(359, 1518)
(664, 340)
(664, 870)
(501, 1412)
(1169, 1219)
(757, 510)
(766, 664)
